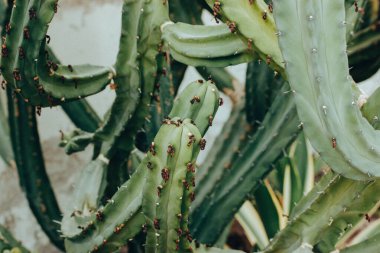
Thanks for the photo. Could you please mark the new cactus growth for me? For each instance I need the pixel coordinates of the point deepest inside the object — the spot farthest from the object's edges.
(301, 116)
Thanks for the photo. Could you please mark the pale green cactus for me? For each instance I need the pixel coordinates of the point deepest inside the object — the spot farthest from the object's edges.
(144, 190)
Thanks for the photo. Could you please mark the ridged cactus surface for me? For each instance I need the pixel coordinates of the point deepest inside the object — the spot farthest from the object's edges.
(297, 116)
(321, 84)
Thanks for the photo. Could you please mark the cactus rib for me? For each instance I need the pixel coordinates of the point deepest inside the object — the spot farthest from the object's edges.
(13, 39)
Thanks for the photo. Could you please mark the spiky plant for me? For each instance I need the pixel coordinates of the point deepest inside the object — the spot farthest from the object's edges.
(300, 110)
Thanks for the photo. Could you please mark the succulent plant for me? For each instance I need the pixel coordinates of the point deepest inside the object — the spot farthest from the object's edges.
(301, 117)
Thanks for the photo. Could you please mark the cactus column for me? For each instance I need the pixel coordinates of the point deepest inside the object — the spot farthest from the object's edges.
(312, 40)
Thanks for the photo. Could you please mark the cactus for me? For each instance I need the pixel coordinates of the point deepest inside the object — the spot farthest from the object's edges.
(184, 43)
(76, 221)
(247, 171)
(156, 159)
(6, 146)
(31, 169)
(369, 245)
(350, 197)
(371, 109)
(144, 189)
(245, 19)
(332, 89)
(170, 180)
(45, 81)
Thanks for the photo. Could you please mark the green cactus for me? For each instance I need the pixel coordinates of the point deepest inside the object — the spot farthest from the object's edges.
(245, 19)
(34, 180)
(334, 197)
(184, 41)
(170, 180)
(247, 170)
(24, 58)
(144, 189)
(369, 245)
(87, 198)
(371, 109)
(6, 145)
(323, 104)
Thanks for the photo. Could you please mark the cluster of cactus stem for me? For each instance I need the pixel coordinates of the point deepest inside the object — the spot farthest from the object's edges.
(144, 190)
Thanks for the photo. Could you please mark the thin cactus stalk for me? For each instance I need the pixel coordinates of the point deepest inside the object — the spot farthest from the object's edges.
(6, 145)
(31, 168)
(261, 87)
(157, 149)
(190, 13)
(257, 43)
(121, 215)
(212, 169)
(82, 115)
(246, 173)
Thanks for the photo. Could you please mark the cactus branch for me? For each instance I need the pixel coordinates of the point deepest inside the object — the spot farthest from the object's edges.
(31, 168)
(319, 76)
